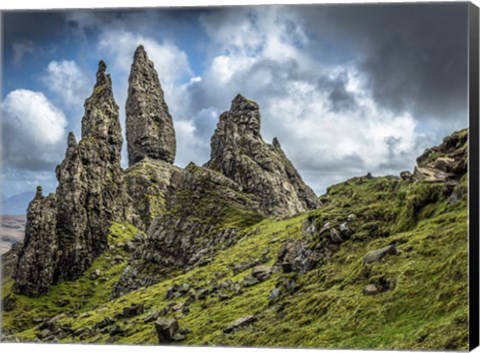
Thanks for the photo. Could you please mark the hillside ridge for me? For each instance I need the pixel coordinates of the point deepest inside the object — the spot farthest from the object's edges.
(239, 251)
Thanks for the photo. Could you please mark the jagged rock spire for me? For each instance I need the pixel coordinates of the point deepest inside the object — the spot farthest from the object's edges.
(101, 120)
(245, 113)
(68, 231)
(239, 152)
(150, 131)
(37, 259)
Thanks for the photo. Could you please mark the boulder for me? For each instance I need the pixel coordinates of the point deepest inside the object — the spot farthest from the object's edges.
(249, 280)
(406, 175)
(261, 272)
(240, 323)
(274, 294)
(376, 255)
(168, 330)
(132, 310)
(370, 289)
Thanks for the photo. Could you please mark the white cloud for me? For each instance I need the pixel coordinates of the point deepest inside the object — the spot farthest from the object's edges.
(33, 131)
(170, 62)
(263, 54)
(117, 47)
(67, 81)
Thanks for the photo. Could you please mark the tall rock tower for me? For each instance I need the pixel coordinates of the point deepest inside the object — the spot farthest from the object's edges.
(67, 231)
(89, 189)
(149, 126)
(239, 152)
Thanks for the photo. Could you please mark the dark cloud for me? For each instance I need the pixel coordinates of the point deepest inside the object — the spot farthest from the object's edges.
(414, 55)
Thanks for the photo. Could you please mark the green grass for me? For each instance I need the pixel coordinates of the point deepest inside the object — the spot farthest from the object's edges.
(426, 306)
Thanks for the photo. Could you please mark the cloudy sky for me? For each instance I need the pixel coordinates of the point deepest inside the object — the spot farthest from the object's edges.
(347, 89)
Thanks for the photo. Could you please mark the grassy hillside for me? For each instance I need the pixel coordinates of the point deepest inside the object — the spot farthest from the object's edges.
(422, 291)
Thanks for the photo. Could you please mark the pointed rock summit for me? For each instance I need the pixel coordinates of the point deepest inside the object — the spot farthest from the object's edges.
(36, 261)
(150, 131)
(239, 152)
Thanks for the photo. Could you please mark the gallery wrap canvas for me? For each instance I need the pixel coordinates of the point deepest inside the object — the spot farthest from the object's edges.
(265, 176)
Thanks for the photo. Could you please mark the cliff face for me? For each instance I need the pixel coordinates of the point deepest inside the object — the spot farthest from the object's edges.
(74, 224)
(206, 213)
(446, 162)
(150, 130)
(89, 189)
(239, 152)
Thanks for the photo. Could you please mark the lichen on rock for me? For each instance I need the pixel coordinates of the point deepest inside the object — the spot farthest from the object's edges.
(150, 131)
(239, 152)
(89, 197)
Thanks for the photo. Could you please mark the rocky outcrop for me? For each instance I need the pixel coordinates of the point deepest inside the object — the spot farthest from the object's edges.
(149, 125)
(205, 214)
(148, 184)
(66, 232)
(89, 189)
(239, 152)
(37, 259)
(446, 162)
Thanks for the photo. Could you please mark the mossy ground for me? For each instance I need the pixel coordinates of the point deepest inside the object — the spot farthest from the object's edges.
(426, 306)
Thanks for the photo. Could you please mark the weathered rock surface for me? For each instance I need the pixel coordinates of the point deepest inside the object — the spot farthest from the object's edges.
(205, 214)
(149, 125)
(239, 152)
(89, 192)
(168, 330)
(376, 255)
(37, 259)
(446, 162)
(370, 289)
(69, 230)
(148, 183)
(240, 323)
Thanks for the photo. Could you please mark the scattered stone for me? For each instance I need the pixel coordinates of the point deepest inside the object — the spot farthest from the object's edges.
(178, 306)
(223, 297)
(104, 323)
(351, 217)
(249, 281)
(95, 274)
(240, 323)
(290, 284)
(154, 315)
(274, 294)
(62, 303)
(132, 310)
(370, 289)
(261, 272)
(9, 303)
(42, 335)
(406, 175)
(344, 230)
(335, 236)
(376, 255)
(116, 330)
(203, 293)
(168, 330)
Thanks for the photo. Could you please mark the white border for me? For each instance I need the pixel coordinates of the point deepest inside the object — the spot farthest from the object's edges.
(77, 4)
